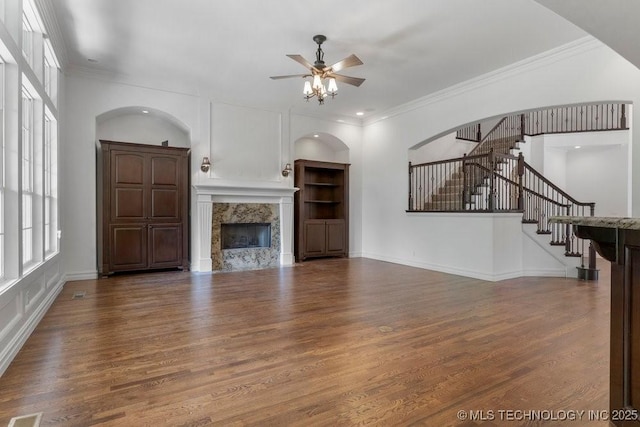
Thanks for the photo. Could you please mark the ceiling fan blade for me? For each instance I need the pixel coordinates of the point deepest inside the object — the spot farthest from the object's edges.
(355, 81)
(349, 61)
(289, 76)
(301, 60)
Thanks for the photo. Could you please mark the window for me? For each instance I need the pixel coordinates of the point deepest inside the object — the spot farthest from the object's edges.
(27, 39)
(2, 177)
(50, 184)
(27, 177)
(32, 30)
(51, 67)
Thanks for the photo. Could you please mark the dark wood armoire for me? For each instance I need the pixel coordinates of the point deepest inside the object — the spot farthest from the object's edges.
(143, 207)
(321, 209)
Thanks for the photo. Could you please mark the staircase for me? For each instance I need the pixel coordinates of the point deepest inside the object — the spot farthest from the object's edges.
(494, 177)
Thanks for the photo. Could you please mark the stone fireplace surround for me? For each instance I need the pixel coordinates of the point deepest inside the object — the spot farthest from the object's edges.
(207, 195)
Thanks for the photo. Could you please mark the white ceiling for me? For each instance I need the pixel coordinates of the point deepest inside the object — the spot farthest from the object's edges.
(227, 49)
(614, 22)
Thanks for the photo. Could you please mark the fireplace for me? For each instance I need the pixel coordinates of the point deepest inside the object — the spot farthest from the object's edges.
(226, 204)
(245, 235)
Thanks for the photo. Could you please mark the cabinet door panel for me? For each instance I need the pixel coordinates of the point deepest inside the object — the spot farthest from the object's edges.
(127, 204)
(164, 170)
(128, 248)
(315, 241)
(335, 237)
(127, 168)
(165, 245)
(165, 204)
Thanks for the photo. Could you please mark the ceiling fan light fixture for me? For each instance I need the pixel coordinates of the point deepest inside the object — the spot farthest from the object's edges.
(333, 87)
(307, 89)
(317, 82)
(323, 78)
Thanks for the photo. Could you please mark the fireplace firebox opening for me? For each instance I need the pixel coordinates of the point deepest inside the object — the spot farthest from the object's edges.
(245, 235)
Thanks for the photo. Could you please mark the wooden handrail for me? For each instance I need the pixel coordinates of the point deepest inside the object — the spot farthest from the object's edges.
(457, 159)
(488, 135)
(555, 187)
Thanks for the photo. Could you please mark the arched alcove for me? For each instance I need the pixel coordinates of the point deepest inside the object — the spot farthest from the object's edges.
(322, 147)
(142, 125)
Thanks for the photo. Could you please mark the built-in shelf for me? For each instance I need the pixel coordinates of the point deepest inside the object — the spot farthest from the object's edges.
(322, 184)
(321, 209)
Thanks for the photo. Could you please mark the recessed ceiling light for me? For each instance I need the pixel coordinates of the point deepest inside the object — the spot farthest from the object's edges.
(359, 113)
(577, 146)
(316, 135)
(145, 111)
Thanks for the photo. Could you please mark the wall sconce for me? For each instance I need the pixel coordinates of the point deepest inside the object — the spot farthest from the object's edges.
(287, 170)
(206, 165)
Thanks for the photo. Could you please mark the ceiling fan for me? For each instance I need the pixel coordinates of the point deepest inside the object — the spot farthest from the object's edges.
(319, 72)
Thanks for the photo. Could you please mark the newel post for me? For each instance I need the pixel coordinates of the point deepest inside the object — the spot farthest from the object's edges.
(520, 182)
(479, 133)
(522, 125)
(410, 192)
(623, 117)
(592, 249)
(464, 180)
(567, 238)
(492, 181)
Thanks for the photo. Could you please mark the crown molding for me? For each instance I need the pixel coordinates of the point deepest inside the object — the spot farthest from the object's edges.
(48, 15)
(548, 57)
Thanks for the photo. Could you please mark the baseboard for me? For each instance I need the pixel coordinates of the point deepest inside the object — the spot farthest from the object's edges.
(16, 343)
(87, 275)
(355, 255)
(445, 269)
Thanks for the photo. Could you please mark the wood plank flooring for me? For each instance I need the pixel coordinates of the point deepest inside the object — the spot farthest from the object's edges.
(326, 343)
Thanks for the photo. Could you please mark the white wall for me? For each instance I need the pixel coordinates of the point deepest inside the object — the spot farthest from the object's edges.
(142, 129)
(318, 149)
(596, 172)
(558, 77)
(351, 136)
(588, 180)
(445, 147)
(555, 166)
(86, 99)
(248, 147)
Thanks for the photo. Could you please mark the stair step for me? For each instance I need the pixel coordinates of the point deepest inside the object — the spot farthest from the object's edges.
(557, 243)
(572, 255)
(543, 232)
(529, 221)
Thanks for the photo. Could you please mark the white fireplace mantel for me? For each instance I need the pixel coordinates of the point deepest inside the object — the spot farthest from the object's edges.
(242, 194)
(208, 194)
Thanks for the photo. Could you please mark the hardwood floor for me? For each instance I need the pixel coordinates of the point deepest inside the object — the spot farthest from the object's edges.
(329, 342)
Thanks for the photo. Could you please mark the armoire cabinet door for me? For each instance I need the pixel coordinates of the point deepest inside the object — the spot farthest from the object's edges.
(165, 249)
(165, 197)
(128, 246)
(128, 193)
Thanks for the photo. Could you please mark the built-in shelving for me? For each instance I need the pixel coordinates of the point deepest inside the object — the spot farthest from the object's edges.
(321, 209)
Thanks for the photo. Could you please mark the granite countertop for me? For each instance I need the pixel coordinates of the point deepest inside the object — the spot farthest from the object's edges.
(599, 221)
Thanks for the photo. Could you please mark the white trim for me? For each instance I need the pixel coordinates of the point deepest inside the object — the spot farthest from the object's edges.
(19, 339)
(81, 275)
(52, 29)
(543, 59)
